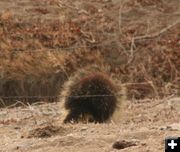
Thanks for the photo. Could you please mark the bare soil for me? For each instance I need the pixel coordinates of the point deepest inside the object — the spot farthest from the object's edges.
(143, 127)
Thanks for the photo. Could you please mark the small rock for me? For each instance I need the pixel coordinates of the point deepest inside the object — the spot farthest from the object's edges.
(172, 127)
(100, 10)
(82, 11)
(123, 144)
(107, 0)
(84, 128)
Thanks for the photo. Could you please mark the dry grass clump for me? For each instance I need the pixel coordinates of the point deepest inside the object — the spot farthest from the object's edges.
(41, 74)
(22, 36)
(34, 59)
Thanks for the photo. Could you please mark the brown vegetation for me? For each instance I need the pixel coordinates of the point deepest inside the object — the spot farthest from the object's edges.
(38, 55)
(44, 42)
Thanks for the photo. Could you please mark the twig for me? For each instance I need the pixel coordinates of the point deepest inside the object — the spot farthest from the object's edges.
(60, 4)
(131, 58)
(150, 36)
(18, 102)
(2, 101)
(120, 17)
(88, 36)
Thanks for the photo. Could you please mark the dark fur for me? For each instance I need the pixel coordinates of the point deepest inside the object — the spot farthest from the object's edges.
(100, 108)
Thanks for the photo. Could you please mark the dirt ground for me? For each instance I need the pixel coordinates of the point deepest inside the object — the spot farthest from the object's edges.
(144, 123)
(143, 127)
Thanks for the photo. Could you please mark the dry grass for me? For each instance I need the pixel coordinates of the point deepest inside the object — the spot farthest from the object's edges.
(142, 49)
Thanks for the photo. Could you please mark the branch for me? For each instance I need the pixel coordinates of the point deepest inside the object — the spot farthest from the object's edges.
(150, 36)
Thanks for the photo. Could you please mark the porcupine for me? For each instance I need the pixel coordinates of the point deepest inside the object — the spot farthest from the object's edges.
(92, 96)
